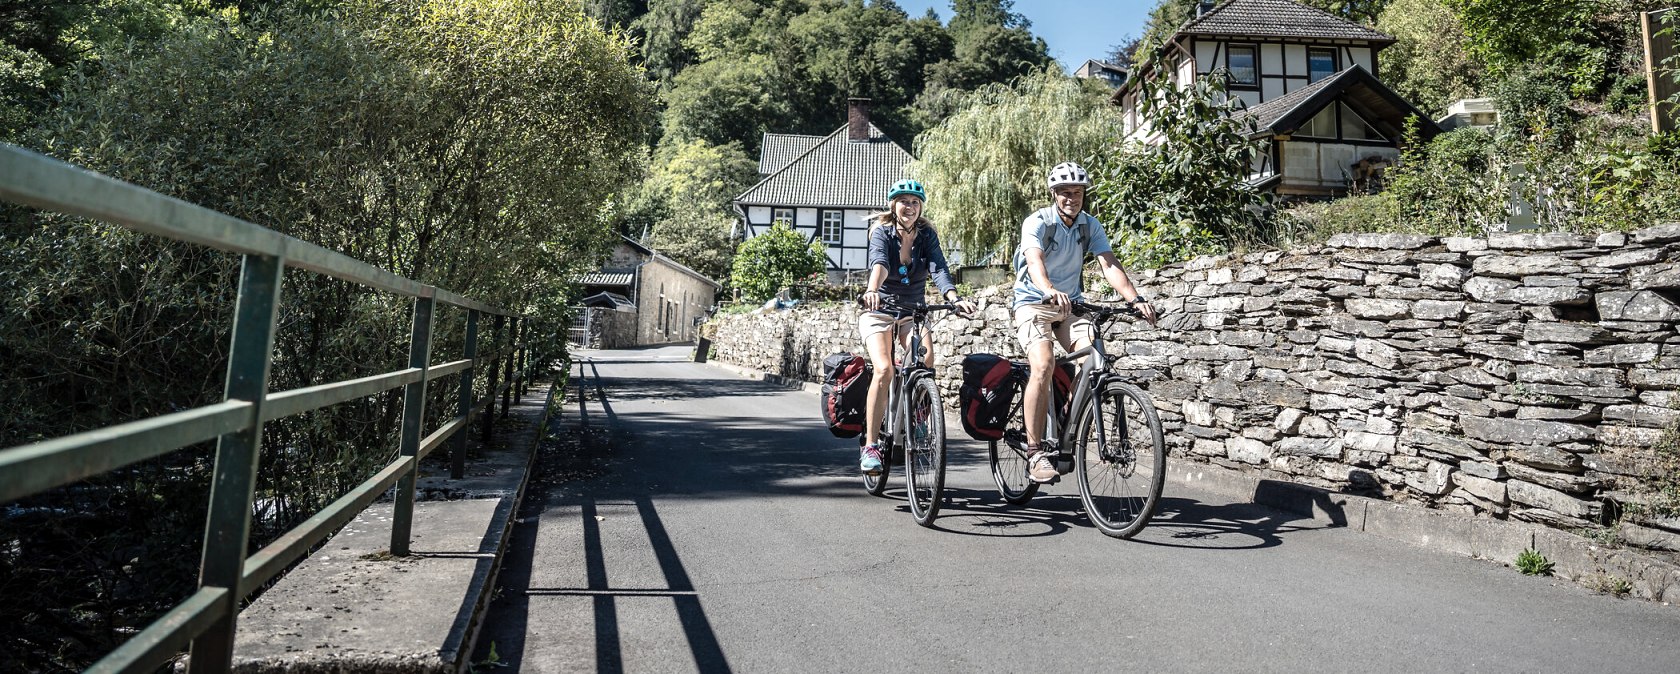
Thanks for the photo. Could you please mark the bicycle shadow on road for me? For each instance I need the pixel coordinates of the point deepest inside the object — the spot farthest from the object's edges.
(1182, 522)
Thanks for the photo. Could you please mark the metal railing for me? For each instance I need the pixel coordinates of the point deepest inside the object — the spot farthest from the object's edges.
(206, 619)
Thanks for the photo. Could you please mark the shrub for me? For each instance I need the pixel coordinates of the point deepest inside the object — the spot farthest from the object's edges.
(777, 259)
(1186, 194)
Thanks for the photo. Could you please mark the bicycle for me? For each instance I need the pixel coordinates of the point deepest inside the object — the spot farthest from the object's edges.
(1121, 461)
(913, 428)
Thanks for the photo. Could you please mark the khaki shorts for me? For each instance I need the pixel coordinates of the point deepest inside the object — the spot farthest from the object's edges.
(1036, 323)
(872, 323)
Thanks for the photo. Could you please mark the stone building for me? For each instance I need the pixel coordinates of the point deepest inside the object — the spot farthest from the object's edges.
(641, 297)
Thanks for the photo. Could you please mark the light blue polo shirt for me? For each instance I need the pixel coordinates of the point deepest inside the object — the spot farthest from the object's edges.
(1063, 260)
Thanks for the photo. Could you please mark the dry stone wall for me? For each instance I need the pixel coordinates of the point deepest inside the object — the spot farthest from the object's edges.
(1523, 376)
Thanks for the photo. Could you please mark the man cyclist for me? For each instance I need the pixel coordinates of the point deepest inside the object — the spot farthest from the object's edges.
(1054, 241)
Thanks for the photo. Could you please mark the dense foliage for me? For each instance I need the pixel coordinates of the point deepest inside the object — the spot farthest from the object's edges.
(984, 167)
(730, 71)
(1429, 64)
(776, 260)
(1186, 193)
(471, 145)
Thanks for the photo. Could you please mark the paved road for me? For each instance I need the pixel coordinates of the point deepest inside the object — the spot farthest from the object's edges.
(725, 530)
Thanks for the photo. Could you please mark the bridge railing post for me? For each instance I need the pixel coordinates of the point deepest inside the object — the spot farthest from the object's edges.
(413, 423)
(458, 452)
(525, 357)
(495, 371)
(507, 395)
(227, 527)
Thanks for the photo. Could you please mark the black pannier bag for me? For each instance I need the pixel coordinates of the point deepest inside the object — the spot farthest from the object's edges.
(987, 394)
(845, 392)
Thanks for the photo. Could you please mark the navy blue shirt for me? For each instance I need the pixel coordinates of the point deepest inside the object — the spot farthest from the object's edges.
(926, 259)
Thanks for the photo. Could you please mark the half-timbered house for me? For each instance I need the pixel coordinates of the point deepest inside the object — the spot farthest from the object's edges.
(1310, 83)
(825, 187)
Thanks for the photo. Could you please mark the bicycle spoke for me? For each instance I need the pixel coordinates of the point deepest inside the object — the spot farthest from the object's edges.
(1121, 473)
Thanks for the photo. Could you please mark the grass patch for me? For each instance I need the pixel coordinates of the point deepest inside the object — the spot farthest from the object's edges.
(1532, 563)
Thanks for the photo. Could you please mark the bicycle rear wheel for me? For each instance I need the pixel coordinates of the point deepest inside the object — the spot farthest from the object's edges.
(1121, 473)
(924, 451)
(1009, 467)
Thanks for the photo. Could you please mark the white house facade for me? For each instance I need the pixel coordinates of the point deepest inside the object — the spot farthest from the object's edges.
(826, 187)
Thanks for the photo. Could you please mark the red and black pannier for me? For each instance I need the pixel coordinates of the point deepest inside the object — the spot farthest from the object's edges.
(1061, 385)
(845, 393)
(988, 392)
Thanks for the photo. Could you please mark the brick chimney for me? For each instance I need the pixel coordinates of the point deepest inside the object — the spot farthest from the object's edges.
(857, 120)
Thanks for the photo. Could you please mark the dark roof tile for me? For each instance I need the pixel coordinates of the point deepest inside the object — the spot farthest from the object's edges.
(834, 173)
(781, 148)
(1277, 18)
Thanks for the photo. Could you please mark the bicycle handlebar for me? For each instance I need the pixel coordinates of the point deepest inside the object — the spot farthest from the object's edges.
(898, 310)
(1105, 312)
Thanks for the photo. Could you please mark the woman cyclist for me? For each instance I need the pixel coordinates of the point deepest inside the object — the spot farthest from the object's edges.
(903, 252)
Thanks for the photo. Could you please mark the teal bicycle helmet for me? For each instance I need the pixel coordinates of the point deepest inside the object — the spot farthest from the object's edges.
(904, 187)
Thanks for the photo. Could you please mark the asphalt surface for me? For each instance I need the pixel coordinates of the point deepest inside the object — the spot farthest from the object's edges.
(710, 523)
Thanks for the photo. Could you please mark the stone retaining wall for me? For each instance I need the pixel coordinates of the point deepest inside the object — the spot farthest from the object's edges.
(1522, 376)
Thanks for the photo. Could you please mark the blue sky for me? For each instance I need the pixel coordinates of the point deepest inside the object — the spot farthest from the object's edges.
(1075, 29)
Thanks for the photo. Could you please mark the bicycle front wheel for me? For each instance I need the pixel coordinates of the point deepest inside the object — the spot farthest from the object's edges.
(1122, 468)
(924, 452)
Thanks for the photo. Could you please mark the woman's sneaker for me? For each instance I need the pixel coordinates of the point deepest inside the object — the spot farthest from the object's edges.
(869, 460)
(1041, 469)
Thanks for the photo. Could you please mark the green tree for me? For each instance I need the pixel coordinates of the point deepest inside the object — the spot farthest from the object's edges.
(468, 144)
(1164, 20)
(984, 167)
(663, 28)
(1187, 193)
(1581, 40)
(1428, 63)
(685, 204)
(728, 100)
(777, 259)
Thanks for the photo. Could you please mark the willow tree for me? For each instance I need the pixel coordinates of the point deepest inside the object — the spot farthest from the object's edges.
(984, 167)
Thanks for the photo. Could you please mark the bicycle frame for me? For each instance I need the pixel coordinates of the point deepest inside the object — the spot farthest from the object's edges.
(912, 369)
(1091, 377)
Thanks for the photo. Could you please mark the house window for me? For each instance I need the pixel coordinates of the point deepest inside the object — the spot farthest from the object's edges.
(1241, 64)
(1354, 126)
(1322, 125)
(833, 227)
(782, 215)
(1321, 63)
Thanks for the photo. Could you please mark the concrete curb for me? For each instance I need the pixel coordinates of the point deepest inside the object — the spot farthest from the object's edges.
(350, 606)
(774, 379)
(463, 638)
(1576, 558)
(1616, 570)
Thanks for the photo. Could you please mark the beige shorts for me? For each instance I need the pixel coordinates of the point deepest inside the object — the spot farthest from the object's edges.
(1036, 323)
(872, 323)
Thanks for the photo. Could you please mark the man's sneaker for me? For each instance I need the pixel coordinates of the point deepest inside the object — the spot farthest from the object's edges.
(869, 460)
(1041, 469)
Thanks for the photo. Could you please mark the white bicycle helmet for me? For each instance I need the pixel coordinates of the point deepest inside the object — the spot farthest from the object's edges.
(1068, 173)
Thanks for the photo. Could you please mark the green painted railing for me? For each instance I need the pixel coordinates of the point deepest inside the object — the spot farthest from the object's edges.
(206, 619)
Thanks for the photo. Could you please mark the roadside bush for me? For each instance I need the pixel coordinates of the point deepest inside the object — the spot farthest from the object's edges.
(1187, 194)
(1448, 186)
(779, 258)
